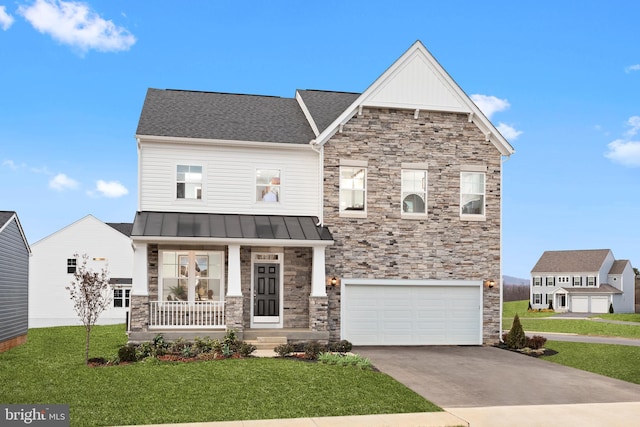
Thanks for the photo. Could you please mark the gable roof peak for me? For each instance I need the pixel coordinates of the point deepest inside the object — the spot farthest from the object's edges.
(416, 81)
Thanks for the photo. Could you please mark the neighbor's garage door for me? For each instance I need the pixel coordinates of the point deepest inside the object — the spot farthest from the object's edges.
(393, 314)
(599, 304)
(580, 304)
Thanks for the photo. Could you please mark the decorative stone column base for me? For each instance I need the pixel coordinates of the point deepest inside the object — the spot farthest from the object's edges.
(319, 314)
(139, 314)
(234, 313)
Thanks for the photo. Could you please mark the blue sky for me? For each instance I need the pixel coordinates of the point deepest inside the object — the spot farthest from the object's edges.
(561, 79)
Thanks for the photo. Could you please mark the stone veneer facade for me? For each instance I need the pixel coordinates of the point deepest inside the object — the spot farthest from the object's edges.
(441, 246)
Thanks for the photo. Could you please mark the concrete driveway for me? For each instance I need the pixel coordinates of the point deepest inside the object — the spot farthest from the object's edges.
(465, 377)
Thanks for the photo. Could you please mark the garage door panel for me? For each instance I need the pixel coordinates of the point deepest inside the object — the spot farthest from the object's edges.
(411, 315)
(599, 304)
(580, 304)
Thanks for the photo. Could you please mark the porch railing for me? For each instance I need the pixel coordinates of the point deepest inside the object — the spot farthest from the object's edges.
(186, 314)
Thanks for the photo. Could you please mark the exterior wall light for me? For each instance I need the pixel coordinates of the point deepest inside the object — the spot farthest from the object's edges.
(489, 283)
(333, 281)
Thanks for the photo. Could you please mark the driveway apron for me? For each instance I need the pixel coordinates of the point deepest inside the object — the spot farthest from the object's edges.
(454, 376)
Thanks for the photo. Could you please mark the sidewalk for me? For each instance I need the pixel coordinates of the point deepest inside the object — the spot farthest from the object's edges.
(422, 419)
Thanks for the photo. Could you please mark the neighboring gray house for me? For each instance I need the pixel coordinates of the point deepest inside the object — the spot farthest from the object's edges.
(14, 281)
(373, 217)
(583, 281)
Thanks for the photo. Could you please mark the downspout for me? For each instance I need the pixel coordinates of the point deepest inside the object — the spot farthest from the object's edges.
(505, 159)
(320, 152)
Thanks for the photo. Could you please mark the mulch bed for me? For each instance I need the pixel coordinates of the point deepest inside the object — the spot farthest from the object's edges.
(529, 352)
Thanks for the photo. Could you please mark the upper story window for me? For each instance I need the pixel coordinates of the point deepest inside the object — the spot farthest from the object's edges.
(353, 188)
(577, 281)
(72, 263)
(537, 281)
(591, 281)
(472, 191)
(414, 191)
(189, 182)
(551, 281)
(563, 279)
(267, 185)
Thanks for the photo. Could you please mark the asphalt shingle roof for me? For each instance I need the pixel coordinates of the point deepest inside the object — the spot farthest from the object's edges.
(602, 289)
(225, 116)
(123, 227)
(618, 266)
(571, 261)
(5, 216)
(325, 106)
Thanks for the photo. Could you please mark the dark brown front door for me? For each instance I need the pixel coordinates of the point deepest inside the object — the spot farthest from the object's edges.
(266, 298)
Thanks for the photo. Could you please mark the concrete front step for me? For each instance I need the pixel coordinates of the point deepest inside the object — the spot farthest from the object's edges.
(267, 343)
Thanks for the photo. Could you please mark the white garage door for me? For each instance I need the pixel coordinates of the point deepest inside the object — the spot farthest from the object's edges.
(580, 304)
(398, 314)
(599, 304)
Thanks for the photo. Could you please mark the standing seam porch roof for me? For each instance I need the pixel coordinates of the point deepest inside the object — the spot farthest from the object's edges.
(228, 226)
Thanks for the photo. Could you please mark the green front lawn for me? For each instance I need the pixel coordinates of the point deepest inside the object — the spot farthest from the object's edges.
(615, 361)
(50, 368)
(532, 321)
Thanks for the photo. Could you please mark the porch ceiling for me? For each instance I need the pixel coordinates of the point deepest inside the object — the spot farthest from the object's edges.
(228, 226)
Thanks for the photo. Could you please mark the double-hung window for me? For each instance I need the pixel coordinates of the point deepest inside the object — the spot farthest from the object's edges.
(353, 188)
(472, 192)
(537, 281)
(577, 280)
(268, 185)
(72, 264)
(537, 298)
(189, 182)
(551, 281)
(121, 297)
(591, 281)
(414, 192)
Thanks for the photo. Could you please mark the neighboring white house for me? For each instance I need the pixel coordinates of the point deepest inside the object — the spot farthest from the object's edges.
(583, 281)
(52, 265)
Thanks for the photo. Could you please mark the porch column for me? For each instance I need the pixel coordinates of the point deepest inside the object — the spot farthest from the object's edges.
(233, 277)
(318, 281)
(140, 286)
(139, 303)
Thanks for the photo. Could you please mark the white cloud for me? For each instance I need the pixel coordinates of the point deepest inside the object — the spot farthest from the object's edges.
(624, 152)
(509, 132)
(630, 68)
(634, 124)
(75, 24)
(112, 189)
(490, 104)
(62, 182)
(6, 20)
(10, 164)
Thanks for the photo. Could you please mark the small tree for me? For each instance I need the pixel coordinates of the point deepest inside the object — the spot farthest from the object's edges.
(516, 337)
(89, 291)
(611, 307)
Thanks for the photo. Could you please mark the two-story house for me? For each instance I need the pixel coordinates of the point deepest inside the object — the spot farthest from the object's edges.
(373, 217)
(53, 264)
(583, 281)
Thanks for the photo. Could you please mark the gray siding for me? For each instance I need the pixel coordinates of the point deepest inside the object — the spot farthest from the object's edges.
(14, 283)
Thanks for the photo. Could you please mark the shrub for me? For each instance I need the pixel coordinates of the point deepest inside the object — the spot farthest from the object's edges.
(127, 353)
(345, 360)
(551, 305)
(530, 308)
(611, 308)
(313, 349)
(203, 345)
(284, 350)
(245, 349)
(343, 346)
(516, 337)
(536, 342)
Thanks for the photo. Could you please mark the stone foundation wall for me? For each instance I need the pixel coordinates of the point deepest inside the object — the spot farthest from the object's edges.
(139, 313)
(319, 313)
(234, 313)
(439, 246)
